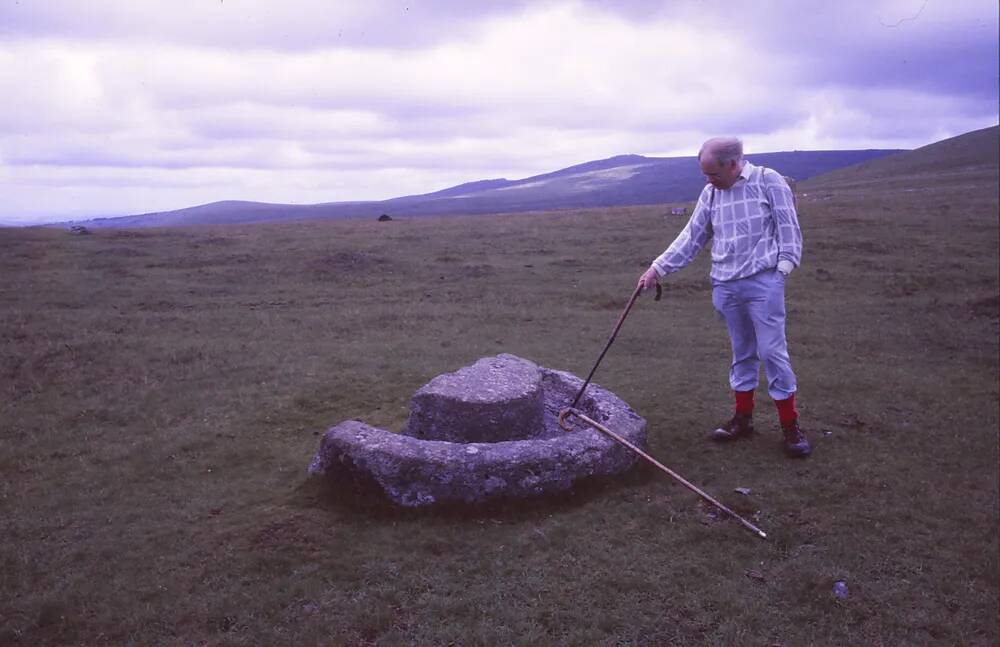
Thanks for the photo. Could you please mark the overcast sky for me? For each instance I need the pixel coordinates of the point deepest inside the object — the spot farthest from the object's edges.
(129, 106)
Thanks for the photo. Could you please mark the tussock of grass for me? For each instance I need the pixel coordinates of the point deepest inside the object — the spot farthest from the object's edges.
(162, 392)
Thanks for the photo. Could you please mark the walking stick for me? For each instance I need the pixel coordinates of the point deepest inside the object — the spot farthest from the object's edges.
(621, 320)
(593, 423)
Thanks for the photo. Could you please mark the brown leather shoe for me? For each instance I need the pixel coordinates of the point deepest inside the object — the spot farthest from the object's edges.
(796, 443)
(740, 426)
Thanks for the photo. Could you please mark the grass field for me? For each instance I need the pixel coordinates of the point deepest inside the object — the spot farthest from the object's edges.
(163, 391)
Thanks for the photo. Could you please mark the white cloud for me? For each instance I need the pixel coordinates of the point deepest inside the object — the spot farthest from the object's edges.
(289, 25)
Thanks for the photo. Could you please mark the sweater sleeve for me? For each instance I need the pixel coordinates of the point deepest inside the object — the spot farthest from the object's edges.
(696, 233)
(786, 221)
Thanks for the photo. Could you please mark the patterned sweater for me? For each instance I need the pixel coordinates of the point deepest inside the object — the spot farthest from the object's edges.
(752, 226)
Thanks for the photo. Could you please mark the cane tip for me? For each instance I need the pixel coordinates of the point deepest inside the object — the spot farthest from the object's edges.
(763, 535)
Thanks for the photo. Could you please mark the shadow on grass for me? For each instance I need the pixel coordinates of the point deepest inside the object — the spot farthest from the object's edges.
(361, 496)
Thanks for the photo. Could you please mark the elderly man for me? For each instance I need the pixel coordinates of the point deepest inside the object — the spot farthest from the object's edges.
(748, 212)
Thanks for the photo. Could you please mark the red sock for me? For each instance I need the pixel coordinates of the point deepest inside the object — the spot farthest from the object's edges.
(744, 402)
(787, 414)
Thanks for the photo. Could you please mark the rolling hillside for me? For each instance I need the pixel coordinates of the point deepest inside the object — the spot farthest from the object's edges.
(974, 155)
(617, 181)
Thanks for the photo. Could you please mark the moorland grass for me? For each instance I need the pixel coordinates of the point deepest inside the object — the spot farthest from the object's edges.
(162, 393)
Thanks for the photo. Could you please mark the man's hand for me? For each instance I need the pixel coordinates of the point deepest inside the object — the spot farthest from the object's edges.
(785, 267)
(649, 279)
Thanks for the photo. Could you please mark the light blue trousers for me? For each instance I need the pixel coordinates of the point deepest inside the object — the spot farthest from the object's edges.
(754, 311)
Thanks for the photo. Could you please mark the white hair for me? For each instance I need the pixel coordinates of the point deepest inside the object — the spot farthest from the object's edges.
(723, 149)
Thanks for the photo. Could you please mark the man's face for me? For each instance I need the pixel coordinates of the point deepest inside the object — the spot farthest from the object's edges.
(721, 176)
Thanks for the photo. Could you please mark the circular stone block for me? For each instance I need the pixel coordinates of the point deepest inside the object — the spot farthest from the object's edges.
(416, 472)
(497, 398)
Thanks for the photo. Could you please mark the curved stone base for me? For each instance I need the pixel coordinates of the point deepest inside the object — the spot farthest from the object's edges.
(416, 472)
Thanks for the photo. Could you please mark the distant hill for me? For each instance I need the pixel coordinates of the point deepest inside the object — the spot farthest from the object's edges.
(976, 151)
(616, 181)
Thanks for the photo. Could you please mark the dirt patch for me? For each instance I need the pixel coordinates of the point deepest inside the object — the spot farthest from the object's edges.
(566, 262)
(478, 271)
(196, 263)
(686, 287)
(293, 531)
(350, 262)
(907, 285)
(853, 247)
(36, 253)
(448, 258)
(988, 307)
(607, 303)
(125, 252)
(216, 241)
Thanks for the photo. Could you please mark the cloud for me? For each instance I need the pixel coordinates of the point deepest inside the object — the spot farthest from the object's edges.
(291, 25)
(117, 102)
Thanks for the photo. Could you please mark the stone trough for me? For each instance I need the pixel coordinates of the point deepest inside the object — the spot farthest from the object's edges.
(488, 431)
